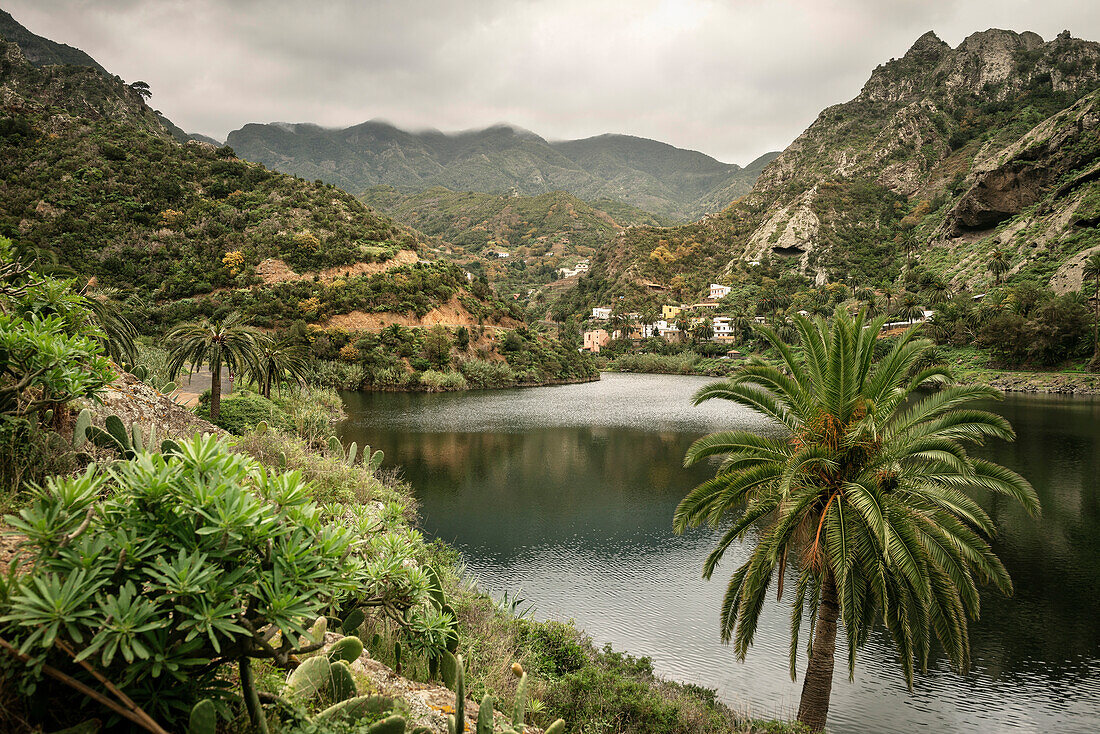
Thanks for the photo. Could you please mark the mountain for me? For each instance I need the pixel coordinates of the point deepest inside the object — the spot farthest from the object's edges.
(947, 153)
(557, 221)
(644, 173)
(41, 51)
(92, 176)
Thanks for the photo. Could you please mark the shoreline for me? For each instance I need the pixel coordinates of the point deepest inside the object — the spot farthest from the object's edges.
(548, 383)
(1034, 382)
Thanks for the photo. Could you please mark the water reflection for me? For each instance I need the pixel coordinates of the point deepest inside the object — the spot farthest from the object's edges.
(568, 492)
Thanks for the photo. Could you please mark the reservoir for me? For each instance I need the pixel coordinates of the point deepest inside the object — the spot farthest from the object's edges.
(565, 495)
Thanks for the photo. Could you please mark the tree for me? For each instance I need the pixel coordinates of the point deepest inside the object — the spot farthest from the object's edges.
(278, 360)
(910, 308)
(142, 88)
(437, 346)
(1092, 272)
(888, 293)
(866, 494)
(998, 265)
(227, 340)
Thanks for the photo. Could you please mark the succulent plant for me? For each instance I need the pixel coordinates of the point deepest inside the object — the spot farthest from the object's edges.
(114, 436)
(80, 428)
(347, 649)
(369, 460)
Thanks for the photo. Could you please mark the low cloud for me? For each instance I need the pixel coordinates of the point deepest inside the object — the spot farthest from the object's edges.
(733, 79)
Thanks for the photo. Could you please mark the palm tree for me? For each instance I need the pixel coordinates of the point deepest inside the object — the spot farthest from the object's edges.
(998, 265)
(888, 293)
(865, 494)
(911, 309)
(227, 340)
(1092, 271)
(278, 360)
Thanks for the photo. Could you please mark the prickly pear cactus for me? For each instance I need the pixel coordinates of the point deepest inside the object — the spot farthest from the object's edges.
(347, 649)
(203, 719)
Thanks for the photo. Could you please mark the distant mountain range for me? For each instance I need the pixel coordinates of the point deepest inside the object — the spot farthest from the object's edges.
(647, 174)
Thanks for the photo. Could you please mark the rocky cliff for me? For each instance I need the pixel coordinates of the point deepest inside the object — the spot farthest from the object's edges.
(947, 153)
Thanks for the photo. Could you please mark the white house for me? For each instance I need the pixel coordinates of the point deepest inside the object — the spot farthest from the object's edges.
(722, 327)
(578, 269)
(718, 292)
(601, 313)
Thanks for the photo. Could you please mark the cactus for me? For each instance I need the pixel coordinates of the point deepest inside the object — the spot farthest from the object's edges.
(341, 683)
(310, 678)
(360, 706)
(391, 725)
(204, 719)
(168, 387)
(448, 668)
(369, 460)
(397, 656)
(115, 437)
(485, 716)
(347, 649)
(282, 461)
(353, 621)
(80, 428)
(521, 703)
(261, 428)
(456, 722)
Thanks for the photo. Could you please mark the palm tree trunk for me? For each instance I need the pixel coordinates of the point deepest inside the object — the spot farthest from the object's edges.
(817, 687)
(215, 388)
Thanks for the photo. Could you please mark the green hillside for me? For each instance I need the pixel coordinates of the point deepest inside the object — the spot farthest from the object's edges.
(556, 221)
(644, 173)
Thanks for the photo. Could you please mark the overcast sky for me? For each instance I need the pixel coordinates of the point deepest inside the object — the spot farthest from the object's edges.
(732, 78)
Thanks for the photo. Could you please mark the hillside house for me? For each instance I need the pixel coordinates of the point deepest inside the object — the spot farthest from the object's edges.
(595, 340)
(601, 312)
(669, 313)
(723, 329)
(718, 292)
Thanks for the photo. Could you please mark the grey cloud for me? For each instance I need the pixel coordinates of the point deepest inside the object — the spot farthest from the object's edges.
(733, 79)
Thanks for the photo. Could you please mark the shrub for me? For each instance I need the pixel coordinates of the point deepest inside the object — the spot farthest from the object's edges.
(436, 381)
(337, 375)
(242, 411)
(484, 374)
(164, 568)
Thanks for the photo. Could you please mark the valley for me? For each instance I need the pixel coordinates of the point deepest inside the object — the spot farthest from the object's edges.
(452, 446)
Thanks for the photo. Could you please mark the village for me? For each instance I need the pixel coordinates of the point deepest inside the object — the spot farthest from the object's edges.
(697, 322)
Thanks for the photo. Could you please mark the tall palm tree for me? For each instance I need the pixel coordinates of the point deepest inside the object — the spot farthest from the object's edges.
(998, 265)
(229, 340)
(1092, 272)
(866, 494)
(279, 360)
(910, 308)
(888, 293)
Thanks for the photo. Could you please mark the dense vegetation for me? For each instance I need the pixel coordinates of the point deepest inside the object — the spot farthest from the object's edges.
(107, 189)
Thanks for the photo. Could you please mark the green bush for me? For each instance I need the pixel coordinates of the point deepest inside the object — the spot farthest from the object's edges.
(335, 374)
(242, 411)
(166, 567)
(481, 373)
(435, 381)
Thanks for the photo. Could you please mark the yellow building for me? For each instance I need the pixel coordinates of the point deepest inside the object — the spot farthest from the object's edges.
(668, 313)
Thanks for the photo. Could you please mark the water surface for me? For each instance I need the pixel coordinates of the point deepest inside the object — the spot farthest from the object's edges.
(568, 492)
